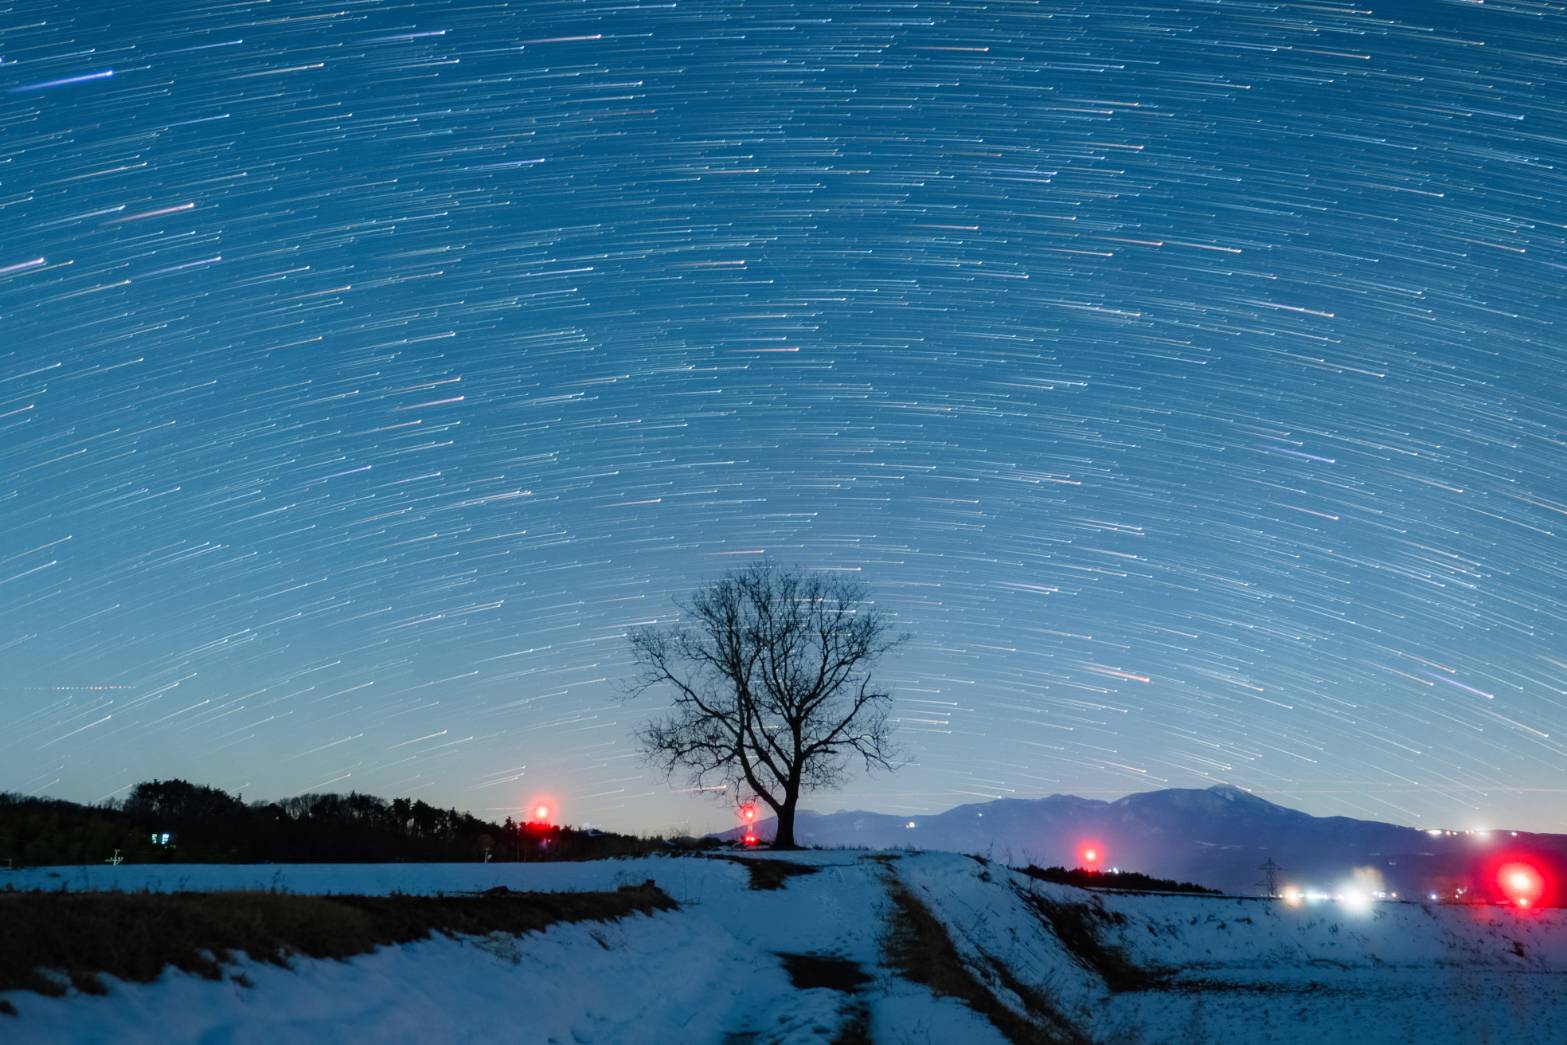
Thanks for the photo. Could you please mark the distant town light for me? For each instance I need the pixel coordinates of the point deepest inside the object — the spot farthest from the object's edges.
(1354, 900)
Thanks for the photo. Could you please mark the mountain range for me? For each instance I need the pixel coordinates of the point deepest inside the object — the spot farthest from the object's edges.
(1218, 836)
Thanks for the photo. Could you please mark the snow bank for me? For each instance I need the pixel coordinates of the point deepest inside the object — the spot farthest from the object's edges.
(1216, 970)
(1234, 970)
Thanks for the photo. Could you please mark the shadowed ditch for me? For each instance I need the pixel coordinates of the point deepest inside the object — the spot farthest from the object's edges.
(815, 970)
(771, 874)
(808, 971)
(1079, 926)
(920, 948)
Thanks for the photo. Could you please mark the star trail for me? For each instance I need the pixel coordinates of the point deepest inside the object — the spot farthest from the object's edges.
(1187, 378)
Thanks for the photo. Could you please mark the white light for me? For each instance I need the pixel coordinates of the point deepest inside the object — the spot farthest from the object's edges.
(911, 825)
(1354, 900)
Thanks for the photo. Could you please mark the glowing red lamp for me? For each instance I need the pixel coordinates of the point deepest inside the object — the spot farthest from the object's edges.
(1521, 883)
(1092, 854)
(748, 812)
(750, 838)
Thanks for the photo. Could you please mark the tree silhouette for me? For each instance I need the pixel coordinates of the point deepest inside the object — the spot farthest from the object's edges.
(769, 669)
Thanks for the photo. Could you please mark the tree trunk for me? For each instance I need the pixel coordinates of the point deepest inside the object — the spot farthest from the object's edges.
(783, 836)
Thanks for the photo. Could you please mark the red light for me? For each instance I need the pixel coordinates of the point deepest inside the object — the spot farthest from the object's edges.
(748, 812)
(541, 813)
(1521, 883)
(750, 839)
(1091, 855)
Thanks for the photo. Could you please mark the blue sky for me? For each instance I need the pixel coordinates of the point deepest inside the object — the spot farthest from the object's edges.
(1187, 378)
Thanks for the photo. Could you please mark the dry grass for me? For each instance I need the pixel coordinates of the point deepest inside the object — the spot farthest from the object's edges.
(919, 947)
(1079, 926)
(134, 936)
(856, 1026)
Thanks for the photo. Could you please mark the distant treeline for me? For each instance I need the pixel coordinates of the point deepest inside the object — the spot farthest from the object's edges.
(206, 825)
(1131, 881)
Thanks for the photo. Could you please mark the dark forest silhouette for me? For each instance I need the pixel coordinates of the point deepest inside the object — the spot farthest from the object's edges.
(207, 825)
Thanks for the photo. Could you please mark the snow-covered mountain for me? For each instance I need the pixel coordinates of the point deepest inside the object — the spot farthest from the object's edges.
(1217, 837)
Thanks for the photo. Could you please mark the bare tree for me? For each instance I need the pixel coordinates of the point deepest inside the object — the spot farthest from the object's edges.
(770, 673)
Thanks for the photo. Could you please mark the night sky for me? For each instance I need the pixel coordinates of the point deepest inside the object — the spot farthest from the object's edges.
(1188, 378)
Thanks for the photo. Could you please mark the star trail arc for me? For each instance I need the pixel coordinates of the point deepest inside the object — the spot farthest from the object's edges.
(1187, 378)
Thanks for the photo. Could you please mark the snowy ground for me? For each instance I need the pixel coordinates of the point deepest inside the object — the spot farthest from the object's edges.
(1217, 970)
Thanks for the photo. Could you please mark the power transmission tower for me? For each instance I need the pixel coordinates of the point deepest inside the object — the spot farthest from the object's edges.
(1270, 878)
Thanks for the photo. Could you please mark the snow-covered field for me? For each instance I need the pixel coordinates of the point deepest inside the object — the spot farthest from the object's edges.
(1215, 970)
